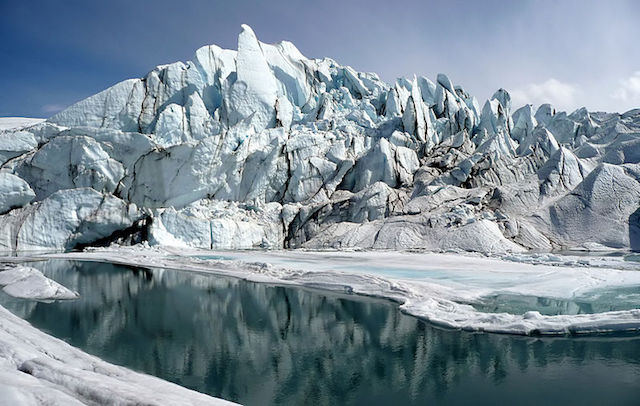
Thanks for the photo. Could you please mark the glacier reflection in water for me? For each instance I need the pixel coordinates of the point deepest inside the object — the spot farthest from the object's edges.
(259, 344)
(599, 301)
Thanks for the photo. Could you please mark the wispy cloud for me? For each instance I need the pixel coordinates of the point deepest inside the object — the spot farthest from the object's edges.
(52, 108)
(560, 94)
(629, 89)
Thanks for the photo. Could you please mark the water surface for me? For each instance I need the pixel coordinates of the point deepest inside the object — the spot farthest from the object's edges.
(259, 344)
(596, 301)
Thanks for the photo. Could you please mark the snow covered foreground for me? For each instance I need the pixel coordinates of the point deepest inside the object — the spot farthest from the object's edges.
(37, 369)
(264, 147)
(435, 287)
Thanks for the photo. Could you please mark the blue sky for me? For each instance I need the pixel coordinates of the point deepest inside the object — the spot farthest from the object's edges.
(571, 53)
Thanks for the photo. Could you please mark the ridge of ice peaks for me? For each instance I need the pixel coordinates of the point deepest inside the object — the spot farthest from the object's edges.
(338, 157)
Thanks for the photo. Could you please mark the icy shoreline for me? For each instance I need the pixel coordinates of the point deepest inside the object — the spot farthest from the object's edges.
(442, 297)
(37, 369)
(436, 287)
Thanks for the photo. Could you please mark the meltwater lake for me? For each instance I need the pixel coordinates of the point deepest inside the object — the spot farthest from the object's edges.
(259, 344)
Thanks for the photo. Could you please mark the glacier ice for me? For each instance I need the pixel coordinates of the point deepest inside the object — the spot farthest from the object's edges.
(29, 283)
(264, 147)
(66, 219)
(8, 123)
(14, 192)
(215, 224)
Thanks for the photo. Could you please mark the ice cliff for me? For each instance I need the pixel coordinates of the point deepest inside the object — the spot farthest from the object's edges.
(263, 147)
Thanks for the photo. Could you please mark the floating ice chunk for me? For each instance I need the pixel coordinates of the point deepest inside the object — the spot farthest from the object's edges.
(29, 283)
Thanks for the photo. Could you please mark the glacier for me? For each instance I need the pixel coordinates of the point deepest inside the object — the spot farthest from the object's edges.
(265, 148)
(262, 147)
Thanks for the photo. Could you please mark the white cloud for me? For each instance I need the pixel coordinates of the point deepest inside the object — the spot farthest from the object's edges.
(52, 108)
(561, 95)
(629, 89)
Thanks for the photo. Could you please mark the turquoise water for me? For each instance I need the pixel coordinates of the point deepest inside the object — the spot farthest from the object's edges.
(259, 344)
(603, 300)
